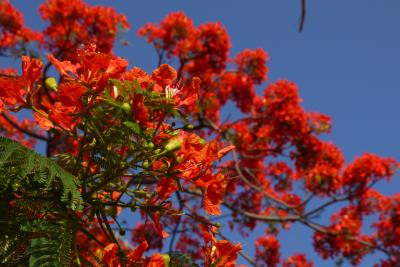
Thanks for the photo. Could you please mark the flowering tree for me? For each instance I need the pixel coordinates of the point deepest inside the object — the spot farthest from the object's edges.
(154, 145)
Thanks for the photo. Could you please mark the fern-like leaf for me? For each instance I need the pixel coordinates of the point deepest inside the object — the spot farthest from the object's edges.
(36, 198)
(22, 164)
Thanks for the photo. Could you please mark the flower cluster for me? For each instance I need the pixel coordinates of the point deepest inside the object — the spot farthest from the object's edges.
(13, 32)
(73, 23)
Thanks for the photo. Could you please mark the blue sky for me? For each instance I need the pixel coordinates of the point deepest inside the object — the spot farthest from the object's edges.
(346, 63)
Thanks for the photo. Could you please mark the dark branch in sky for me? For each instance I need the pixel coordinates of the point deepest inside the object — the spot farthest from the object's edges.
(303, 15)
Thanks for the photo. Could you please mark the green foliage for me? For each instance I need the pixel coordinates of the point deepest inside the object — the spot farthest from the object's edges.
(35, 232)
(133, 126)
(36, 196)
(54, 248)
(22, 169)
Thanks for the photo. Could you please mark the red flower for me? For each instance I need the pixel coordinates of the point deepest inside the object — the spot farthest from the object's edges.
(218, 253)
(139, 110)
(73, 22)
(213, 192)
(157, 260)
(91, 67)
(368, 168)
(110, 257)
(298, 260)
(70, 93)
(164, 75)
(12, 28)
(173, 34)
(65, 68)
(64, 116)
(137, 254)
(253, 64)
(185, 96)
(166, 187)
(31, 69)
(227, 253)
(13, 90)
(267, 251)
(156, 219)
(147, 233)
(41, 119)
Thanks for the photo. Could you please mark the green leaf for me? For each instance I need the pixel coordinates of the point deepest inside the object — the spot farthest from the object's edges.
(133, 126)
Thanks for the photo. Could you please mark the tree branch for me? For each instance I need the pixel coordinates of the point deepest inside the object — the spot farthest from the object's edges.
(25, 131)
(303, 15)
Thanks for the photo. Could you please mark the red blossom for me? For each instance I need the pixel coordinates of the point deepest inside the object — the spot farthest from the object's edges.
(297, 260)
(367, 169)
(253, 64)
(165, 187)
(146, 233)
(70, 93)
(110, 255)
(267, 251)
(73, 22)
(13, 90)
(156, 260)
(12, 28)
(31, 69)
(136, 254)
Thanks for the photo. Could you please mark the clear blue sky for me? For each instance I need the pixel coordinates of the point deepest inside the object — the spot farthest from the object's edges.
(346, 63)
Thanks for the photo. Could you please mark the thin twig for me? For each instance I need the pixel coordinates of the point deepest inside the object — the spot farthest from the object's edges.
(303, 15)
(176, 227)
(25, 131)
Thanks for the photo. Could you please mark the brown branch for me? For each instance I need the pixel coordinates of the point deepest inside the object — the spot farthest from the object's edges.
(25, 131)
(176, 227)
(261, 217)
(250, 214)
(255, 187)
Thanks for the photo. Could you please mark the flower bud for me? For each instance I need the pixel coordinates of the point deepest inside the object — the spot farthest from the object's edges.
(146, 164)
(202, 141)
(173, 145)
(151, 145)
(174, 133)
(126, 108)
(179, 159)
(166, 259)
(188, 127)
(51, 83)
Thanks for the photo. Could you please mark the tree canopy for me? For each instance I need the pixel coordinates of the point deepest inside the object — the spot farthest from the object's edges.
(153, 145)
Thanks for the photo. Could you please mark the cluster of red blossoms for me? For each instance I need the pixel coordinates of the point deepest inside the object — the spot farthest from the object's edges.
(153, 144)
(12, 29)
